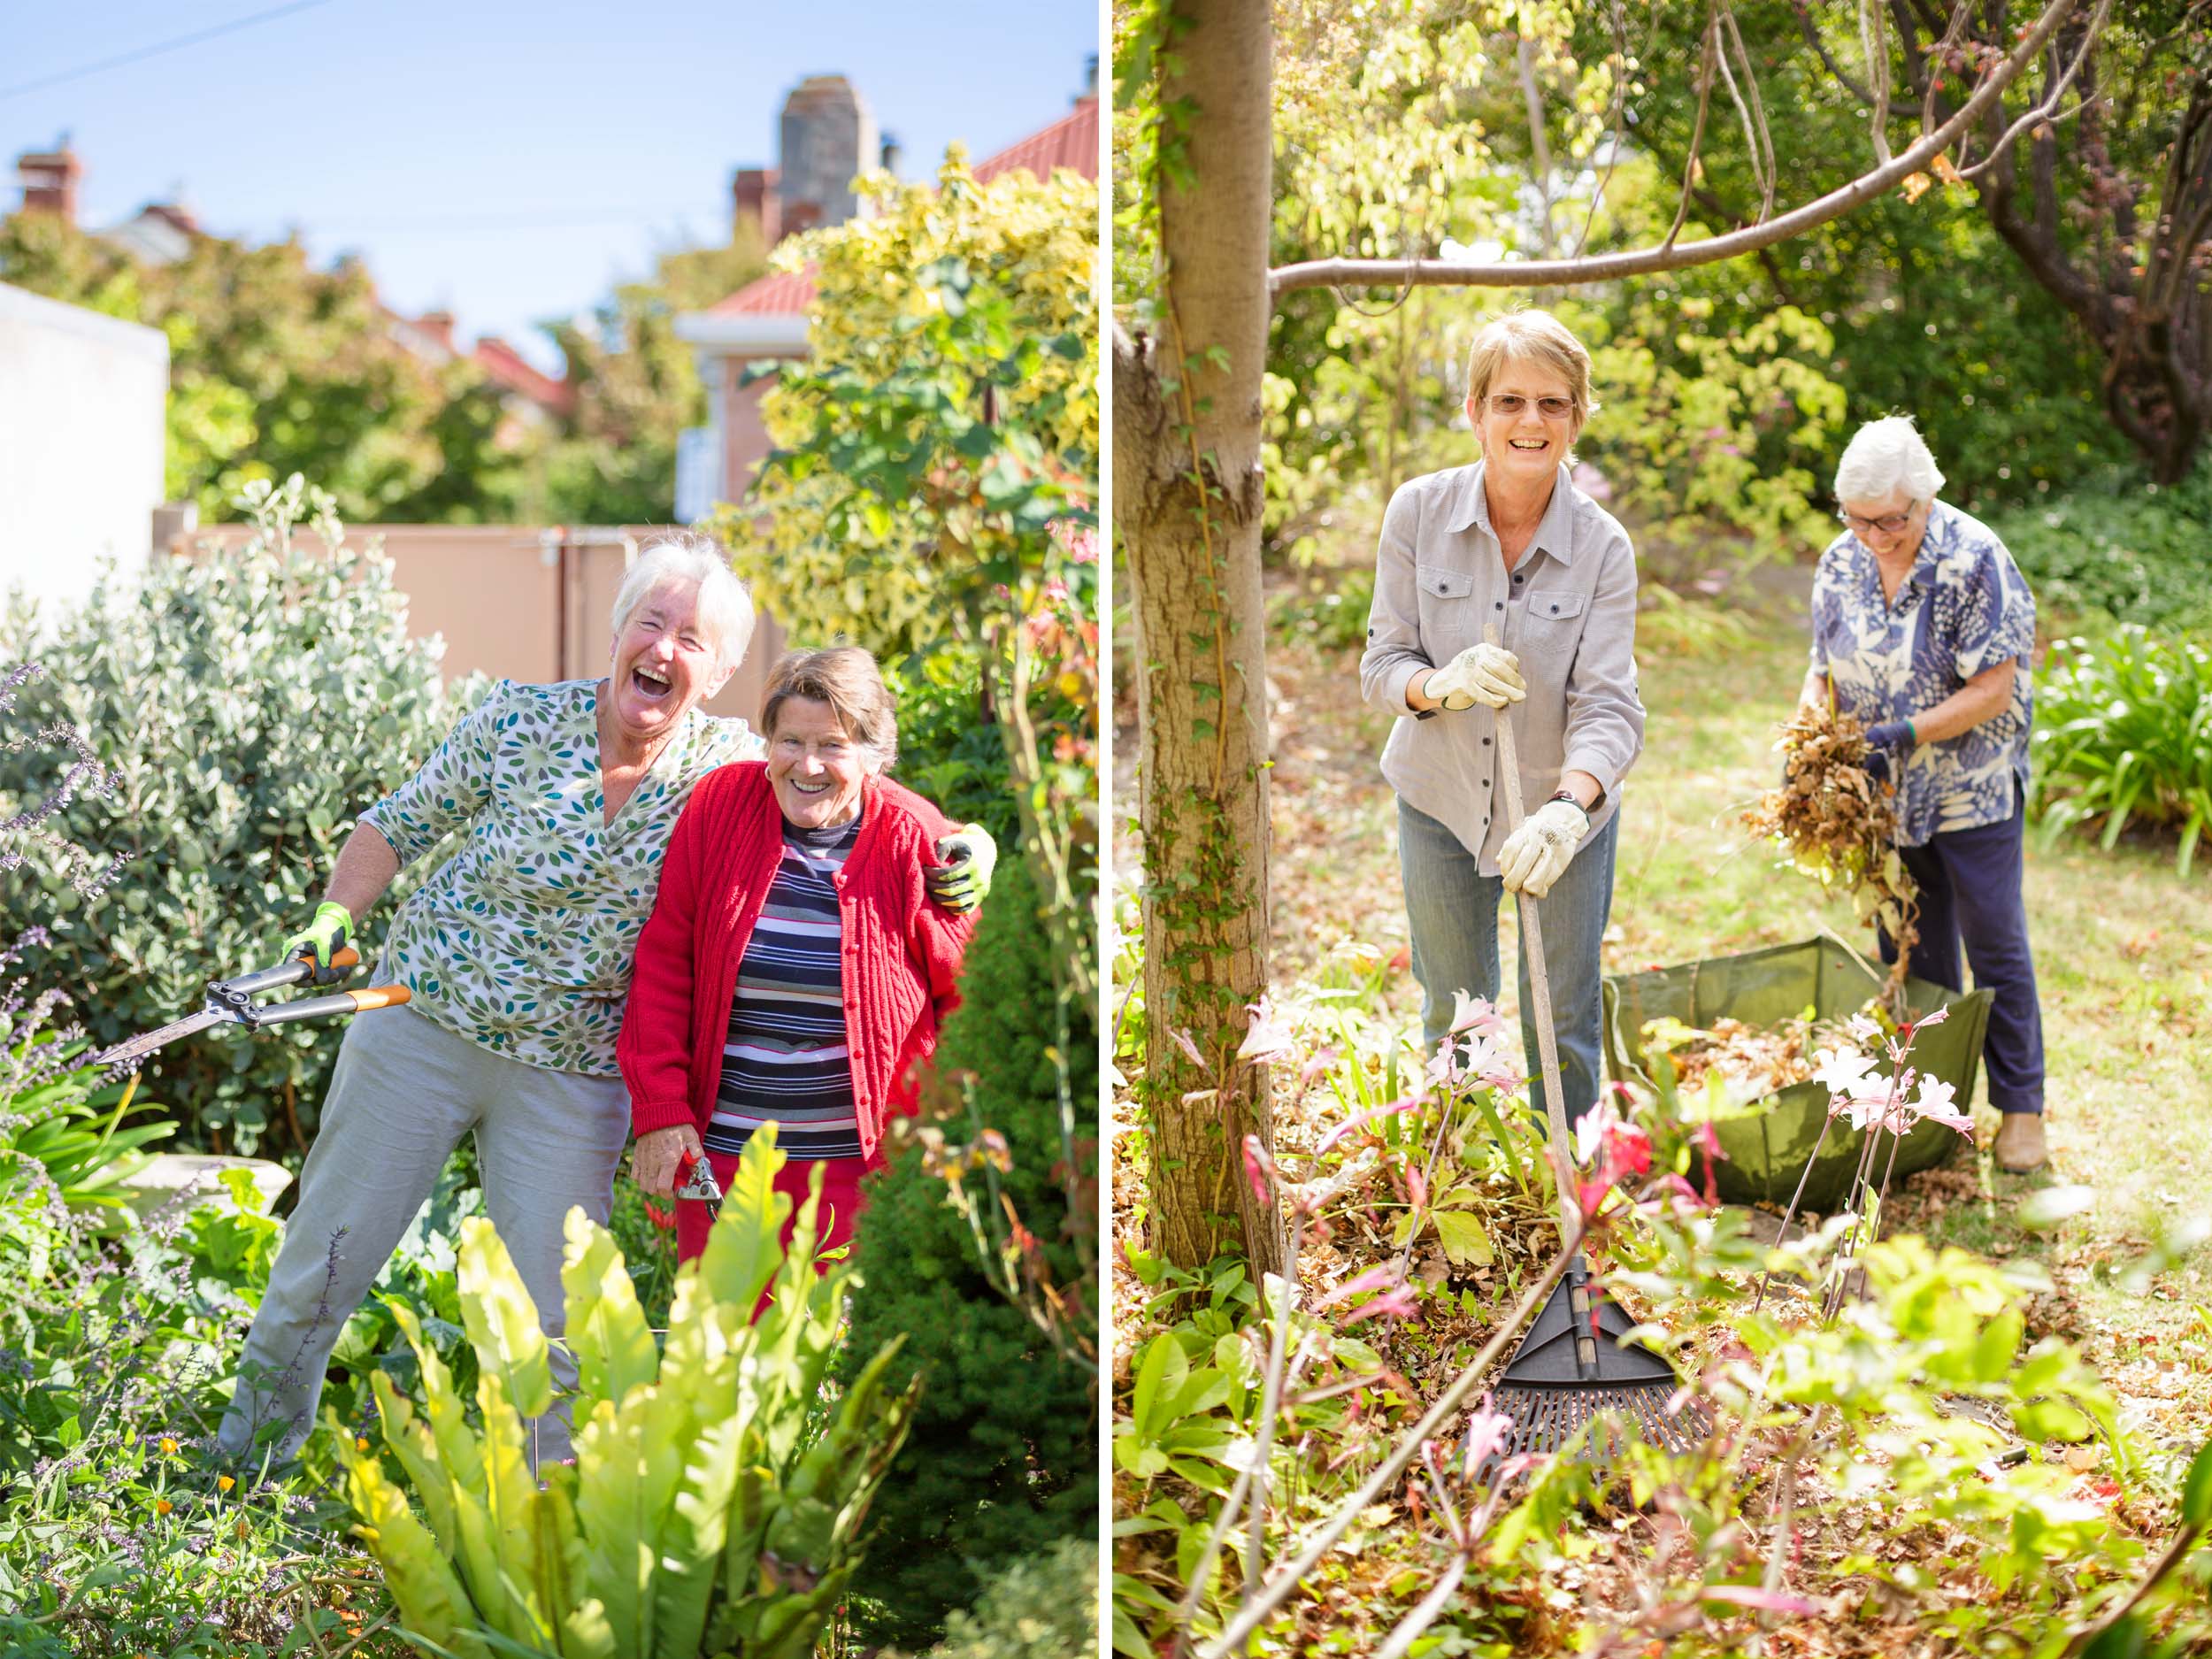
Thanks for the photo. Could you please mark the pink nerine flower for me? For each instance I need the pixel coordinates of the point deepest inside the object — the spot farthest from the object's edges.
(1259, 1168)
(1270, 1038)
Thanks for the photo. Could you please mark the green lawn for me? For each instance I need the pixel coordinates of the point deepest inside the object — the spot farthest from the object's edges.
(2124, 950)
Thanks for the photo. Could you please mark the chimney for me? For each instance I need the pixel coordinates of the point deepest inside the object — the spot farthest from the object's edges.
(1090, 77)
(754, 199)
(438, 326)
(891, 154)
(50, 180)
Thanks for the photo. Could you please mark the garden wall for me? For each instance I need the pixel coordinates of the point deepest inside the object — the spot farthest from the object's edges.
(520, 602)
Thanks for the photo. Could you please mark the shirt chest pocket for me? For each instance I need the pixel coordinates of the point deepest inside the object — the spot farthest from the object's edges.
(1447, 609)
(1552, 623)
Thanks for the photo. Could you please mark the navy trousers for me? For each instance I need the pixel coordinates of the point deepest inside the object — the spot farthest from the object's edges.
(1971, 896)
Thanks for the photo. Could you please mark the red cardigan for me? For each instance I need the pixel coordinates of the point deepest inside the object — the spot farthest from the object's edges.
(901, 950)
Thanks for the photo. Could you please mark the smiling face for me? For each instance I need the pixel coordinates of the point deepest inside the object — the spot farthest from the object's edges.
(814, 767)
(665, 662)
(1891, 546)
(1520, 440)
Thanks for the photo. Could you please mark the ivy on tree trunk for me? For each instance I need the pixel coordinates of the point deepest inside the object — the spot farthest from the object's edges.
(1187, 505)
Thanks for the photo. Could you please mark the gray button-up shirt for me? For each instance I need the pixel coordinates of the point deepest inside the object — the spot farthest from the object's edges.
(1567, 611)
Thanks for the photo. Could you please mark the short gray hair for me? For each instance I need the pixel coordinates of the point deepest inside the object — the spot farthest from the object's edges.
(849, 681)
(686, 558)
(1884, 456)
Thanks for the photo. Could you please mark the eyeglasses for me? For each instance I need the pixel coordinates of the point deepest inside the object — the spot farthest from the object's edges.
(1513, 403)
(1890, 523)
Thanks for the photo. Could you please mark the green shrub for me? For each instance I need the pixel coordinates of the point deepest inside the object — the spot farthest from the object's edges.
(246, 706)
(1002, 1458)
(2124, 731)
(2120, 550)
(1045, 1606)
(1328, 605)
(950, 748)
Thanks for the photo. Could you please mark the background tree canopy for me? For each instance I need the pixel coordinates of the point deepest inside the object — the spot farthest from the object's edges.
(2041, 319)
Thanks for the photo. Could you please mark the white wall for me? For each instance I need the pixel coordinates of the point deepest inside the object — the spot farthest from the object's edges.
(82, 423)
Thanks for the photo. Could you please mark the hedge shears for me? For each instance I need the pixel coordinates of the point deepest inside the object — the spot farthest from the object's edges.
(230, 1003)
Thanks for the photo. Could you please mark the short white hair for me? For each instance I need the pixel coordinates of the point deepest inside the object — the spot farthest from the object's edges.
(687, 559)
(1885, 456)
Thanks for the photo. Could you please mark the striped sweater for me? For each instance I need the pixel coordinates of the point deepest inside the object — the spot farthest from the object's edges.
(784, 1061)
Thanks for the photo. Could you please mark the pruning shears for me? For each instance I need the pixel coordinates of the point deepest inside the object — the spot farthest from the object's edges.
(696, 1180)
(230, 1003)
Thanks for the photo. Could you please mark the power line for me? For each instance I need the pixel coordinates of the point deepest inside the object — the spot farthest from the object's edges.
(182, 41)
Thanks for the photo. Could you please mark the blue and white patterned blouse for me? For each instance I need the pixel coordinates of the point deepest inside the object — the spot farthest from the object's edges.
(1965, 607)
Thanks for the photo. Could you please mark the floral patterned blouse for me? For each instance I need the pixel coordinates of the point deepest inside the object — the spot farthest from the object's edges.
(1963, 607)
(522, 940)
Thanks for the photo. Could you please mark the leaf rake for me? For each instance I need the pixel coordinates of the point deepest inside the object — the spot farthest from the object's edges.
(1576, 1362)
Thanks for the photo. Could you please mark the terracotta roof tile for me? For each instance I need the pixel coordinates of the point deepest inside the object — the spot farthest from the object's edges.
(1069, 142)
(779, 292)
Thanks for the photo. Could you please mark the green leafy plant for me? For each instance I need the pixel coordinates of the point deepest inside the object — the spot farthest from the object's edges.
(2124, 733)
(1043, 1607)
(713, 1506)
(2118, 549)
(242, 707)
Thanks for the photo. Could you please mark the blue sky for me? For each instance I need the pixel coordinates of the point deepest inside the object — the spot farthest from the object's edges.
(507, 161)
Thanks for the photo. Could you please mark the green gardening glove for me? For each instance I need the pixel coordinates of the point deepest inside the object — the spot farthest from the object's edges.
(330, 932)
(963, 879)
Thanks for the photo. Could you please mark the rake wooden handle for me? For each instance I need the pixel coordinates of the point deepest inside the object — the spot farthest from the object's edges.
(1547, 1048)
(1539, 981)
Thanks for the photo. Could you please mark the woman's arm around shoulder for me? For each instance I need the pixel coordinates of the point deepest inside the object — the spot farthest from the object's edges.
(937, 937)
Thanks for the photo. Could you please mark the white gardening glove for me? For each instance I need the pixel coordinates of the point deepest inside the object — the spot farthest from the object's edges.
(1535, 853)
(1487, 674)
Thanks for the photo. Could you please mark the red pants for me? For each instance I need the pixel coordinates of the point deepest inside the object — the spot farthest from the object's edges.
(841, 1200)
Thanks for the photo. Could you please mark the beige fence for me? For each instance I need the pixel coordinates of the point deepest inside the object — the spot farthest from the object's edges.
(521, 603)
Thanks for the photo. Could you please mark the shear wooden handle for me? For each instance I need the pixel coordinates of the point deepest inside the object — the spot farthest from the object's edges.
(337, 1003)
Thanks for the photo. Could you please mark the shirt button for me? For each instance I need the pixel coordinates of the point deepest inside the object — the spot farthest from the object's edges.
(1486, 742)
(1501, 604)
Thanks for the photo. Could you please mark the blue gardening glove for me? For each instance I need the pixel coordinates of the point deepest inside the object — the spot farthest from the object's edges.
(330, 932)
(963, 881)
(1882, 739)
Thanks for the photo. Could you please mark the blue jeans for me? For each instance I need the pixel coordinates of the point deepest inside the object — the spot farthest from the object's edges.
(1970, 894)
(1453, 909)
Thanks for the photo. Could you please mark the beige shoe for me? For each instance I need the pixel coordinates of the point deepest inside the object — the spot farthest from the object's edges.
(2020, 1147)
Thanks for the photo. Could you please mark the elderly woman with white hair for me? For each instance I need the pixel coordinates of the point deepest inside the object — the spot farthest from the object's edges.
(517, 953)
(1509, 543)
(1923, 627)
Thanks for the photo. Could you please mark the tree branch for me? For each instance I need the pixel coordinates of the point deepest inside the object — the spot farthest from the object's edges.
(1668, 256)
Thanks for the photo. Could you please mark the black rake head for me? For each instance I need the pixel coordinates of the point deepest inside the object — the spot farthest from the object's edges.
(1565, 1373)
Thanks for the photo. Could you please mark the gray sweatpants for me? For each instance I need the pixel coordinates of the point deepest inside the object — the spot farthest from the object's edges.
(404, 1092)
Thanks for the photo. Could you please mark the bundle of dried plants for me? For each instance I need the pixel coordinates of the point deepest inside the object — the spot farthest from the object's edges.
(1839, 827)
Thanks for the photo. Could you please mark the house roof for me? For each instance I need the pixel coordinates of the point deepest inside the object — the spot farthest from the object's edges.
(780, 291)
(505, 368)
(1070, 142)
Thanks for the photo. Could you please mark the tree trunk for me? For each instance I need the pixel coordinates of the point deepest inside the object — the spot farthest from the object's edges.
(1188, 499)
